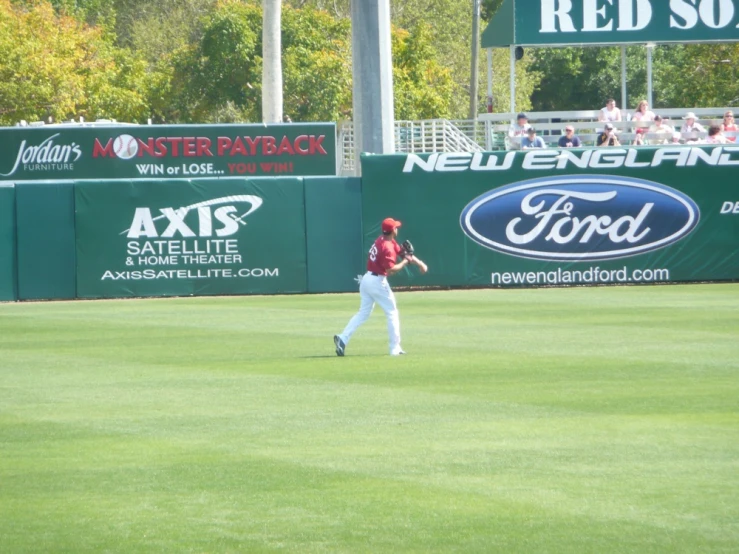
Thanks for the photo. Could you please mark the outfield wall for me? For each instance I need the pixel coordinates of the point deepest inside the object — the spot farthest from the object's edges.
(491, 219)
(551, 217)
(178, 237)
(8, 271)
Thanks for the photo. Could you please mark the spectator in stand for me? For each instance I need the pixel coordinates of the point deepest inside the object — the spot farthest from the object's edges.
(531, 140)
(518, 131)
(663, 131)
(729, 125)
(643, 113)
(569, 140)
(715, 136)
(691, 128)
(610, 113)
(608, 137)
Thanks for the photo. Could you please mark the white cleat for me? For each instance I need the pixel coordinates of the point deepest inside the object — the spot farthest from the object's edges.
(398, 352)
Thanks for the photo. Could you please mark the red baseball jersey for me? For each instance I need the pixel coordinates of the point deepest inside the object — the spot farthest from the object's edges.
(382, 256)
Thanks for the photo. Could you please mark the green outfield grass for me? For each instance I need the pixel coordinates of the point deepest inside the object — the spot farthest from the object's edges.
(562, 420)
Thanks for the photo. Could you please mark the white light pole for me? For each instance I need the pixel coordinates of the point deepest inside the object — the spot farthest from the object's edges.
(624, 99)
(475, 73)
(650, 47)
(372, 71)
(272, 59)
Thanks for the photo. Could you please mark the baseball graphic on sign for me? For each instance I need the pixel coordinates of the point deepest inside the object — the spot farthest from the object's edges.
(125, 147)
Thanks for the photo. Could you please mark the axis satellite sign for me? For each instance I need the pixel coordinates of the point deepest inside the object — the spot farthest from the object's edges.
(172, 151)
(570, 22)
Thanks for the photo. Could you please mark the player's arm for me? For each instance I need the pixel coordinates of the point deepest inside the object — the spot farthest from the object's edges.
(415, 260)
(397, 267)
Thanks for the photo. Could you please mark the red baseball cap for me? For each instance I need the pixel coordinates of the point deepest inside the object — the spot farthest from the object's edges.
(389, 225)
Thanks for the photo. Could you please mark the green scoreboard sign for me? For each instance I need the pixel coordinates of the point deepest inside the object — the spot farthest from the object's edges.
(172, 151)
(568, 22)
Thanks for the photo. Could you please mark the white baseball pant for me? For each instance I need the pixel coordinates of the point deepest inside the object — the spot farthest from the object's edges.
(374, 289)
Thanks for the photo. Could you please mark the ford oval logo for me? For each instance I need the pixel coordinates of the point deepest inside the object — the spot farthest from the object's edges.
(593, 217)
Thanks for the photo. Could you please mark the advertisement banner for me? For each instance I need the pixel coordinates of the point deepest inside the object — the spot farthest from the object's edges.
(205, 237)
(167, 151)
(569, 217)
(572, 22)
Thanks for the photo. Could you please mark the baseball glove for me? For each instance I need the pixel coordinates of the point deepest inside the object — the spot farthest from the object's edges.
(406, 248)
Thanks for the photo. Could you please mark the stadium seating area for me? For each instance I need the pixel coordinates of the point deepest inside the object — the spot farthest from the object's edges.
(550, 126)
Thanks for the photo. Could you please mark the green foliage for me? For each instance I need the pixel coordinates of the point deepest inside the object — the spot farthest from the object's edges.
(488, 8)
(684, 76)
(697, 75)
(423, 88)
(93, 12)
(223, 67)
(200, 61)
(450, 26)
(221, 75)
(583, 78)
(316, 65)
(157, 29)
(53, 65)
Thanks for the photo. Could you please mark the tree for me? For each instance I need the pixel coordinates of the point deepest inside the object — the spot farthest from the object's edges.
(423, 88)
(489, 8)
(94, 12)
(224, 68)
(696, 75)
(54, 65)
(155, 30)
(582, 78)
(450, 24)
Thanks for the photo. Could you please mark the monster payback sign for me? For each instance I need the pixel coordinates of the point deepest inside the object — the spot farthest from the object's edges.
(173, 151)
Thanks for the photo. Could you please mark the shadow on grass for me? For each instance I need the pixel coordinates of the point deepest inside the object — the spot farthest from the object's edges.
(338, 357)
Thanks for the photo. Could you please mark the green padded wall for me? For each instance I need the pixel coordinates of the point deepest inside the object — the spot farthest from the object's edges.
(46, 240)
(333, 208)
(8, 289)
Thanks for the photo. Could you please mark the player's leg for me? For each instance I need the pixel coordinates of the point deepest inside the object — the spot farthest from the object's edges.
(366, 305)
(385, 298)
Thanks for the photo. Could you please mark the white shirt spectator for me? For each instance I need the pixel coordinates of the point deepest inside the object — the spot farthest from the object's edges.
(691, 128)
(518, 130)
(610, 113)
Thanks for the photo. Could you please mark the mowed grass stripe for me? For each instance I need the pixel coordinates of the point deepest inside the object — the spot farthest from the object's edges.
(561, 420)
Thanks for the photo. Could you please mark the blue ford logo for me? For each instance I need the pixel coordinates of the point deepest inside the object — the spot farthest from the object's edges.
(591, 217)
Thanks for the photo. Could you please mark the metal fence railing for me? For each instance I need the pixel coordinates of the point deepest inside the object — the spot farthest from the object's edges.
(490, 132)
(434, 135)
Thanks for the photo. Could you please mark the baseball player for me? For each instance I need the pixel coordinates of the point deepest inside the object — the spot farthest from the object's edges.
(374, 288)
